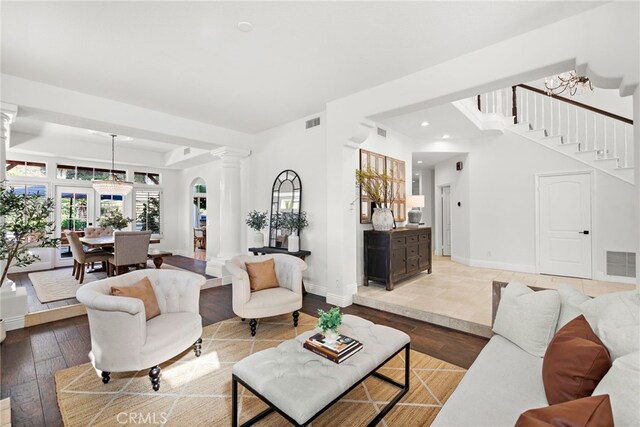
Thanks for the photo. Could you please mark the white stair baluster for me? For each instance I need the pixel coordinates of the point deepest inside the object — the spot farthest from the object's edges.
(568, 125)
(626, 148)
(535, 111)
(604, 136)
(595, 134)
(586, 129)
(615, 140)
(526, 95)
(551, 116)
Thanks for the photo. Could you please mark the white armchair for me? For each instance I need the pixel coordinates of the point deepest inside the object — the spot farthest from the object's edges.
(123, 340)
(268, 302)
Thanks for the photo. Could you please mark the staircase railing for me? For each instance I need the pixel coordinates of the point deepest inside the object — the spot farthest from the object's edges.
(608, 135)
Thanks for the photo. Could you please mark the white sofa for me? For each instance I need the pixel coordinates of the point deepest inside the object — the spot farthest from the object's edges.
(123, 340)
(505, 381)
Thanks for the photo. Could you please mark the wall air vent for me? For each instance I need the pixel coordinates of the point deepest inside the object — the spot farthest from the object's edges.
(621, 264)
(187, 150)
(382, 132)
(313, 122)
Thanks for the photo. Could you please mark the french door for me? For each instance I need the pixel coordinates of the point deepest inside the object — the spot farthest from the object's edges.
(74, 212)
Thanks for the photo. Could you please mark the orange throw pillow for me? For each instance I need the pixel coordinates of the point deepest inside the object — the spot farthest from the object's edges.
(575, 362)
(594, 411)
(142, 290)
(262, 275)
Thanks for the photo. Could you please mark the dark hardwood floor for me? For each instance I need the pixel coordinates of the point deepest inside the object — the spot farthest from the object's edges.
(31, 356)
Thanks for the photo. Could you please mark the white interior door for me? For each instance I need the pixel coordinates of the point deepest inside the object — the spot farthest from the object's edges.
(446, 221)
(74, 212)
(564, 214)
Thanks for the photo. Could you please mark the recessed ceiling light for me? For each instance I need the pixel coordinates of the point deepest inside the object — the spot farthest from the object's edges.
(417, 174)
(120, 138)
(445, 136)
(419, 161)
(424, 124)
(245, 26)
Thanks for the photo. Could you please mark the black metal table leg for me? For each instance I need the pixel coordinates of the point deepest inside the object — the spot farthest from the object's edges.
(234, 402)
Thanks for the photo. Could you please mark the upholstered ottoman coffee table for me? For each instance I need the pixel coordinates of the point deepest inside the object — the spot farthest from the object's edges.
(301, 385)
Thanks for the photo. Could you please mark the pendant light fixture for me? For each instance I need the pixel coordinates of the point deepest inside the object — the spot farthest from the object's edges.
(112, 185)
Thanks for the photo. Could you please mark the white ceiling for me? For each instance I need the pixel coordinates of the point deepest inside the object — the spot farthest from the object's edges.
(443, 120)
(429, 160)
(188, 58)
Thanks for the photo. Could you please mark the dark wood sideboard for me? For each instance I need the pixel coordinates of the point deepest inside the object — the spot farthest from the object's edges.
(391, 256)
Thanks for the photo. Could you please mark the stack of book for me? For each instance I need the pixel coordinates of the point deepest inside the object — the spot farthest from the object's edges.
(339, 351)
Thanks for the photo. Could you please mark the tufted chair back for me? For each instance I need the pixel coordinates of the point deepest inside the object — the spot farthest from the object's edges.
(131, 247)
(94, 232)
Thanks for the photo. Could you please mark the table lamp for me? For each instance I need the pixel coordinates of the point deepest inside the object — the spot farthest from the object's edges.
(416, 201)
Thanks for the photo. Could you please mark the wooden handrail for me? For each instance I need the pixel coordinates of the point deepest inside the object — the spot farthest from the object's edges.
(578, 104)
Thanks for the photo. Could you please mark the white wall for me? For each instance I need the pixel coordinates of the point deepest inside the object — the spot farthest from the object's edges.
(169, 190)
(495, 227)
(399, 147)
(292, 146)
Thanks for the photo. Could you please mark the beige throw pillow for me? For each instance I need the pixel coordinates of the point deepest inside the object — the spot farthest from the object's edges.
(262, 275)
(142, 290)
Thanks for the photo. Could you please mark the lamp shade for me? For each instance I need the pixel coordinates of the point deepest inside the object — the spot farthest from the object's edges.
(415, 201)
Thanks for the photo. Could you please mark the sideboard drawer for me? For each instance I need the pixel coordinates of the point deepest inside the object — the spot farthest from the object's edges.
(399, 241)
(412, 251)
(412, 240)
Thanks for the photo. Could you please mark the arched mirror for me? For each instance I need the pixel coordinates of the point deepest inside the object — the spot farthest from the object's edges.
(286, 200)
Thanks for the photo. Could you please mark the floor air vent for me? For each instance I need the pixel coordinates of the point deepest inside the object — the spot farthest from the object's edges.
(621, 264)
(313, 122)
(382, 132)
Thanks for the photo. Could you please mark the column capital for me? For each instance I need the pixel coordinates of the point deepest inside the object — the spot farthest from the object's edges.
(363, 131)
(8, 112)
(223, 152)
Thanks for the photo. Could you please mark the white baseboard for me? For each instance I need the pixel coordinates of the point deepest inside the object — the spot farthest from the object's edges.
(605, 278)
(522, 268)
(315, 289)
(460, 259)
(36, 266)
(182, 252)
(339, 300)
(13, 323)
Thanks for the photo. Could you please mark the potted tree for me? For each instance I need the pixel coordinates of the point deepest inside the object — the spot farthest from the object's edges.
(114, 219)
(293, 223)
(257, 221)
(27, 224)
(379, 188)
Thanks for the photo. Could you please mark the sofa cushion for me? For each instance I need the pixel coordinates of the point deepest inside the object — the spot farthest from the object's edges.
(570, 301)
(502, 383)
(586, 412)
(527, 318)
(575, 362)
(142, 289)
(262, 275)
(615, 318)
(622, 384)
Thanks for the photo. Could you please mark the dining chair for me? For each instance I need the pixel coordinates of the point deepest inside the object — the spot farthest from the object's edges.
(131, 248)
(199, 238)
(81, 258)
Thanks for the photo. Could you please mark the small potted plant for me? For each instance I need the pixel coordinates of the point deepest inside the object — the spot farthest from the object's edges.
(115, 220)
(257, 221)
(293, 223)
(329, 322)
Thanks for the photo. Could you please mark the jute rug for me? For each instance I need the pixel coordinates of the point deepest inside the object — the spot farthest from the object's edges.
(55, 285)
(197, 391)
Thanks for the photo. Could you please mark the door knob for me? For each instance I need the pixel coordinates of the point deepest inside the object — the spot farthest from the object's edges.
(584, 232)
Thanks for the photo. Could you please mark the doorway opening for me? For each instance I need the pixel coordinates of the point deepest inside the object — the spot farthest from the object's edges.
(445, 195)
(199, 218)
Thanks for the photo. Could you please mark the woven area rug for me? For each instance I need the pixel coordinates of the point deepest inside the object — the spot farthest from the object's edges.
(197, 391)
(55, 285)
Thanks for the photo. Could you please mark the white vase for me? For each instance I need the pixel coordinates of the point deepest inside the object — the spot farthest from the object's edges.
(382, 219)
(294, 243)
(258, 239)
(331, 337)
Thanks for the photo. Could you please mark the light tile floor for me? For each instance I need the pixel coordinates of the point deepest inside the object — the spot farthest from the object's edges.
(461, 292)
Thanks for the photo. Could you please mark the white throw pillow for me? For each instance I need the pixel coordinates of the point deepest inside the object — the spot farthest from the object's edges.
(615, 318)
(570, 301)
(527, 318)
(622, 384)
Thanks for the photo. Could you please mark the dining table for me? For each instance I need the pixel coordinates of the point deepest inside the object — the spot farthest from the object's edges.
(104, 241)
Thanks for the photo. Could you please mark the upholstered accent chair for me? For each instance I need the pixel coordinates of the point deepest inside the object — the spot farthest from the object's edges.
(95, 232)
(287, 298)
(81, 258)
(131, 248)
(122, 340)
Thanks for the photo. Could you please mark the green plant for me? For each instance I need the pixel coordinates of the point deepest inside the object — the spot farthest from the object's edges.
(377, 186)
(27, 224)
(329, 320)
(114, 219)
(149, 216)
(257, 220)
(294, 222)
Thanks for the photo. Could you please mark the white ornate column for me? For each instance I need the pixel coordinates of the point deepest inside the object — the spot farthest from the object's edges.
(230, 215)
(13, 301)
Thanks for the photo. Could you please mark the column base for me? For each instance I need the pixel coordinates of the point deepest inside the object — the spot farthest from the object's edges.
(344, 299)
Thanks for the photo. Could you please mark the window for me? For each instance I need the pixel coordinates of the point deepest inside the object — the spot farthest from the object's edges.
(111, 202)
(73, 212)
(199, 188)
(146, 178)
(31, 189)
(26, 169)
(148, 211)
(83, 173)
